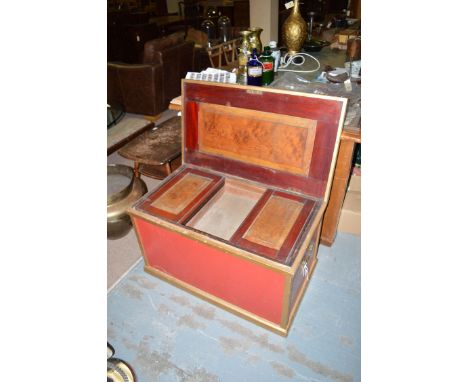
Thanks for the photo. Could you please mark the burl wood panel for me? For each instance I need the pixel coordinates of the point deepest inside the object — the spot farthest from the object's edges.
(274, 222)
(279, 228)
(180, 196)
(177, 198)
(271, 140)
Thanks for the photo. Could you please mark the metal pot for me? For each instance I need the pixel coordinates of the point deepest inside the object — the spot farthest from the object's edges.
(123, 189)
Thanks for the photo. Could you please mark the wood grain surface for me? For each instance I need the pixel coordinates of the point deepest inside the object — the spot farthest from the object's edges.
(274, 227)
(181, 194)
(156, 146)
(274, 222)
(253, 137)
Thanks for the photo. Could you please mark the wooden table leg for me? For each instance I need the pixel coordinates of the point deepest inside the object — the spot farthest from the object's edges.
(136, 169)
(337, 192)
(167, 167)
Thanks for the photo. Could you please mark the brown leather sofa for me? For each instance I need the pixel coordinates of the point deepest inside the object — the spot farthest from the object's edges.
(148, 88)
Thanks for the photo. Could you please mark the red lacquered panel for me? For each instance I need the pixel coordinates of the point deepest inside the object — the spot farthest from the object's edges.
(309, 186)
(326, 113)
(294, 104)
(250, 286)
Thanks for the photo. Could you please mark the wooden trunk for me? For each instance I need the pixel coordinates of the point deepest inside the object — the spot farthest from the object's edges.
(238, 223)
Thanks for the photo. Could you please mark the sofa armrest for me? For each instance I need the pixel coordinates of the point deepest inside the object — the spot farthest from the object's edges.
(176, 61)
(137, 87)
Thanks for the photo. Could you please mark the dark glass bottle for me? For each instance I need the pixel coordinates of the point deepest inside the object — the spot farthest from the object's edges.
(254, 70)
(268, 62)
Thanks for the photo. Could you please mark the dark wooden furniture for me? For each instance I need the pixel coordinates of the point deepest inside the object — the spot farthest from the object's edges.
(127, 34)
(349, 138)
(175, 23)
(156, 152)
(190, 8)
(241, 16)
(124, 131)
(238, 224)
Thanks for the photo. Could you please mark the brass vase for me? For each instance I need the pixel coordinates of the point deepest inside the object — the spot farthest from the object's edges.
(243, 56)
(294, 30)
(245, 44)
(254, 39)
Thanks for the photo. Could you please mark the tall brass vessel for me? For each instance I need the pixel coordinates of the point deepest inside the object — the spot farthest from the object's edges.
(254, 39)
(245, 44)
(243, 56)
(294, 30)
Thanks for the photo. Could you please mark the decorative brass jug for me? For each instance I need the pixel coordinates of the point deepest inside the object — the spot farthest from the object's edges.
(245, 44)
(294, 30)
(254, 39)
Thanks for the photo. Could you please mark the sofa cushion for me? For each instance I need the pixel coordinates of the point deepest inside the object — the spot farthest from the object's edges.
(138, 88)
(159, 44)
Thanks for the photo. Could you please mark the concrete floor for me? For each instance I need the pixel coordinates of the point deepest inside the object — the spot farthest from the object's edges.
(167, 334)
(122, 253)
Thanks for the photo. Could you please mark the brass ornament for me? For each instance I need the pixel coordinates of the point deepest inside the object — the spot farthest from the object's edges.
(294, 30)
(254, 39)
(245, 44)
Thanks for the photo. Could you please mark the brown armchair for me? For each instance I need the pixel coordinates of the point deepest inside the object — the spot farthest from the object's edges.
(148, 88)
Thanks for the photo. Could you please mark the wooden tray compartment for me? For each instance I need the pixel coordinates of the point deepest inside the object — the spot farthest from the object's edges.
(182, 194)
(274, 226)
(264, 221)
(222, 215)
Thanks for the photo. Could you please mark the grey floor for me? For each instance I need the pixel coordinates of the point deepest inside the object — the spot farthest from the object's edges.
(167, 334)
(123, 253)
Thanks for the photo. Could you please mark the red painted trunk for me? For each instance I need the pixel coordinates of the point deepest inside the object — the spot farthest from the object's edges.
(238, 222)
(235, 280)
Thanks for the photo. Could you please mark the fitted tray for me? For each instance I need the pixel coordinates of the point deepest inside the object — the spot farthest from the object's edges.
(251, 216)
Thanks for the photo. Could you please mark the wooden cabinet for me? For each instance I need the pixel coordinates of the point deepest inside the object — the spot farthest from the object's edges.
(241, 16)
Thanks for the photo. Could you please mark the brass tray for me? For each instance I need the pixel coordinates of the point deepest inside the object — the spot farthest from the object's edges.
(119, 182)
(119, 371)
